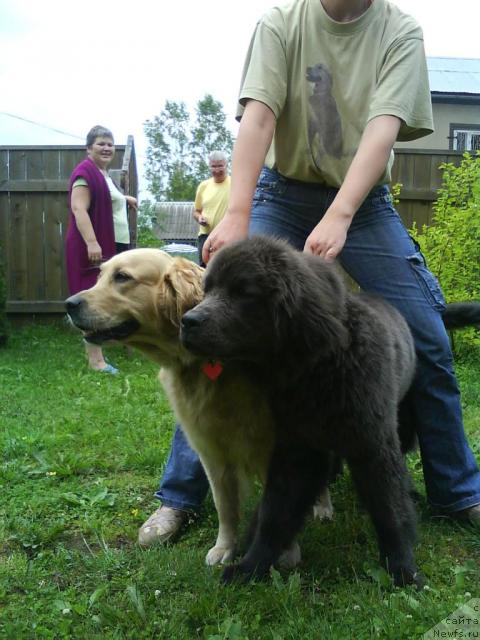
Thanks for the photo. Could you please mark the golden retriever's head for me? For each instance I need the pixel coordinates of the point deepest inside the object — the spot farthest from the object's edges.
(140, 297)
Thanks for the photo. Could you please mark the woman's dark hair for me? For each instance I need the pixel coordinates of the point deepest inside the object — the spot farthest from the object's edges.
(98, 132)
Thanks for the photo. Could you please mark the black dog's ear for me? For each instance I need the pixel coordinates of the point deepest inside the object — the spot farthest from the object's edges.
(181, 289)
(318, 295)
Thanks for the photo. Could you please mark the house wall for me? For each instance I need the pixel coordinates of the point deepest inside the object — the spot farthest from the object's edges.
(443, 116)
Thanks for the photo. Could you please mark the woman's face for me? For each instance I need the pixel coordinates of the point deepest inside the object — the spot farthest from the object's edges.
(102, 151)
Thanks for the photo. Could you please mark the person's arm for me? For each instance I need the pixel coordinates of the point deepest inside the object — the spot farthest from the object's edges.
(200, 218)
(132, 202)
(328, 237)
(80, 201)
(253, 141)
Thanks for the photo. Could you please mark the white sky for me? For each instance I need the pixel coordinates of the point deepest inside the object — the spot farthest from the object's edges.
(70, 66)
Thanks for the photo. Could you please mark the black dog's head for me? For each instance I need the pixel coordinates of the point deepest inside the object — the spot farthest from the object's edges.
(262, 300)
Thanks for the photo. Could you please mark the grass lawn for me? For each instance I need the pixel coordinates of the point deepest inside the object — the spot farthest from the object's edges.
(82, 454)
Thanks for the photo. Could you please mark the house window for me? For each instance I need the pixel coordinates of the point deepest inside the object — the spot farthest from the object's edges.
(465, 137)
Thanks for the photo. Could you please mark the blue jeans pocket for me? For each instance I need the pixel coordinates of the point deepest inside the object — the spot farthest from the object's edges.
(427, 281)
(269, 185)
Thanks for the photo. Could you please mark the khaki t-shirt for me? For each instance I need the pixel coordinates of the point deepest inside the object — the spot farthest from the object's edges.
(325, 80)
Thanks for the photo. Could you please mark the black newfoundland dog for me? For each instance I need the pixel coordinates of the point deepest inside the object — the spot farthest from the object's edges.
(334, 366)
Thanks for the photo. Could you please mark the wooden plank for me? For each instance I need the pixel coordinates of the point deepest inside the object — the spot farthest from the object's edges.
(3, 164)
(128, 154)
(418, 194)
(35, 253)
(403, 171)
(34, 164)
(55, 226)
(35, 306)
(422, 214)
(51, 165)
(4, 238)
(22, 147)
(5, 220)
(17, 165)
(69, 158)
(34, 185)
(18, 241)
(4, 202)
(404, 209)
(436, 174)
(421, 171)
(428, 152)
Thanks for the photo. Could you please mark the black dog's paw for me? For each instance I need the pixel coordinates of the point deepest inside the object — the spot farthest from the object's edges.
(242, 573)
(405, 577)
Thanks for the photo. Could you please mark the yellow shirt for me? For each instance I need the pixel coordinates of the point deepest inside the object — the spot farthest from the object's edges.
(212, 200)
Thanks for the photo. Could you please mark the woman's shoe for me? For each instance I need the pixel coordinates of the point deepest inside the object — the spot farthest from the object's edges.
(108, 368)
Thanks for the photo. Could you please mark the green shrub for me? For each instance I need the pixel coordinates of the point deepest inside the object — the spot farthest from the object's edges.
(3, 302)
(451, 244)
(145, 221)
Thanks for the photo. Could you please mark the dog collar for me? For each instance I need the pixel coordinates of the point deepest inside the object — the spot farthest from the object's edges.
(212, 369)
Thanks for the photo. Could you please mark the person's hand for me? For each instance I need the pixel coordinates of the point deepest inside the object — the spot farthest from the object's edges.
(203, 220)
(233, 226)
(94, 251)
(132, 202)
(329, 235)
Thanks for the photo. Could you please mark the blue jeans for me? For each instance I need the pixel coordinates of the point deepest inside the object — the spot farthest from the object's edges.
(383, 259)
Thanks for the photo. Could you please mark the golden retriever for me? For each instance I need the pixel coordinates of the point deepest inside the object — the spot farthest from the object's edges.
(139, 299)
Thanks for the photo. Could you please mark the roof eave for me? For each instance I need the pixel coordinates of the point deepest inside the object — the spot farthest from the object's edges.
(455, 98)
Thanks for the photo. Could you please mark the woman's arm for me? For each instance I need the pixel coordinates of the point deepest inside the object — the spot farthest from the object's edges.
(131, 202)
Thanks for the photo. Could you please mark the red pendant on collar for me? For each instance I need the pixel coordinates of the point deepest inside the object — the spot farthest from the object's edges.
(212, 369)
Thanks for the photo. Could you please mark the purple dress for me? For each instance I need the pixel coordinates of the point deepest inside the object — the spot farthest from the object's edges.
(80, 272)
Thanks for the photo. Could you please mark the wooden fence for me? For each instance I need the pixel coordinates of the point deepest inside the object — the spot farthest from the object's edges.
(33, 211)
(419, 173)
(33, 219)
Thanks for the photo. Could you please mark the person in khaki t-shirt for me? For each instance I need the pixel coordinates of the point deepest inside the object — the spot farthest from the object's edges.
(328, 86)
(211, 198)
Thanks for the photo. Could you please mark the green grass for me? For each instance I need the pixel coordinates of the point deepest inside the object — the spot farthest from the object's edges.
(82, 454)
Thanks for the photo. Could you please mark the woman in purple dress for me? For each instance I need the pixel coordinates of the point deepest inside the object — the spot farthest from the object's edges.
(98, 223)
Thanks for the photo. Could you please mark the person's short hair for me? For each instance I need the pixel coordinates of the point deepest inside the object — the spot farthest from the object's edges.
(217, 156)
(98, 132)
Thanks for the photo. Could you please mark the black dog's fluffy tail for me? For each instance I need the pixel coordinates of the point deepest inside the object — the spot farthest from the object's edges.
(462, 314)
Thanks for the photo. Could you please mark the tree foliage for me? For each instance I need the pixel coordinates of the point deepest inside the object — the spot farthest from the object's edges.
(452, 243)
(177, 153)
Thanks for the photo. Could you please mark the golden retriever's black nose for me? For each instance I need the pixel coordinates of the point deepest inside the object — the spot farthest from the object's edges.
(73, 304)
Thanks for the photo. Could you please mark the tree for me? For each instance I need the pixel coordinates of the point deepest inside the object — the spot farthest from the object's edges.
(209, 134)
(178, 147)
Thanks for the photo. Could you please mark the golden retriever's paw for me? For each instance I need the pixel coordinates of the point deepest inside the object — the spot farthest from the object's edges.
(323, 508)
(291, 557)
(220, 555)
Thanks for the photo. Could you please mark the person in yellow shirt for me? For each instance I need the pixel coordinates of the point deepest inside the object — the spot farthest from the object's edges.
(211, 199)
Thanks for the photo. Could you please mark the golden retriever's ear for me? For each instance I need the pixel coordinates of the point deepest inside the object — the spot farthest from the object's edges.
(182, 289)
